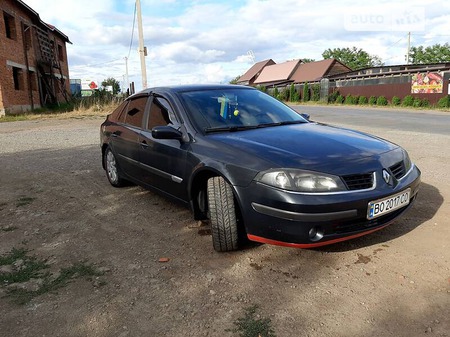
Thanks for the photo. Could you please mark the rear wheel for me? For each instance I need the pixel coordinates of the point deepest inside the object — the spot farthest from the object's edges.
(222, 215)
(112, 171)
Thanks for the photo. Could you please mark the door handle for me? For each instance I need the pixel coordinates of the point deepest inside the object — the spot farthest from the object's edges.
(144, 144)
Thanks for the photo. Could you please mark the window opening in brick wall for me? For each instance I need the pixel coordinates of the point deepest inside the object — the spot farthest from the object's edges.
(60, 53)
(18, 78)
(10, 26)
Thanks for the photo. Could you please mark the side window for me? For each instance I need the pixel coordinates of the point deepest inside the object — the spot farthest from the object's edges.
(117, 115)
(160, 113)
(135, 113)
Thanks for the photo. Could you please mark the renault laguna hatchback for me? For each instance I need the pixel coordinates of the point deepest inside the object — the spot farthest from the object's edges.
(255, 168)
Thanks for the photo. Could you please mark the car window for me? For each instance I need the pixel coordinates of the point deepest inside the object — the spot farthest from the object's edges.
(135, 112)
(236, 108)
(117, 115)
(161, 113)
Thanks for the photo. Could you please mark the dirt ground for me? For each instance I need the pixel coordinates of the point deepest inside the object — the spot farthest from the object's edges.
(56, 202)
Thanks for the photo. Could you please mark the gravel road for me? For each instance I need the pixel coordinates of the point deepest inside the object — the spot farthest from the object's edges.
(395, 282)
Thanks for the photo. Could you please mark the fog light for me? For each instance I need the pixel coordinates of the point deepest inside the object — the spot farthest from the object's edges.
(316, 233)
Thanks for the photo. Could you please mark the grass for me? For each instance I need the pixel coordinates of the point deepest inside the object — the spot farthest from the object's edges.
(23, 201)
(8, 229)
(25, 268)
(251, 325)
(82, 108)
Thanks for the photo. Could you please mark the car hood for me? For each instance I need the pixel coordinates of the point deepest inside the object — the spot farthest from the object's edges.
(308, 146)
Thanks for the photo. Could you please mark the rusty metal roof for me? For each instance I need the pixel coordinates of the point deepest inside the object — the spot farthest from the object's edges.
(315, 71)
(277, 73)
(254, 71)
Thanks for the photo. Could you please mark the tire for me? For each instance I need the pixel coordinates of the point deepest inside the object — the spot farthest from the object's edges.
(222, 215)
(112, 170)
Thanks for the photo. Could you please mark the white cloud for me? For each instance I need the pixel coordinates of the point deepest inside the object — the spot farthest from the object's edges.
(201, 41)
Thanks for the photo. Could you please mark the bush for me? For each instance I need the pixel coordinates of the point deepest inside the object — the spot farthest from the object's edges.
(362, 100)
(425, 103)
(396, 101)
(349, 99)
(261, 88)
(408, 101)
(382, 100)
(284, 94)
(332, 97)
(417, 102)
(373, 100)
(339, 99)
(306, 92)
(295, 97)
(444, 102)
(275, 93)
(315, 92)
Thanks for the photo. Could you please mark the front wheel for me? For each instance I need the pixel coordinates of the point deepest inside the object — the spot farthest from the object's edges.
(222, 215)
(112, 171)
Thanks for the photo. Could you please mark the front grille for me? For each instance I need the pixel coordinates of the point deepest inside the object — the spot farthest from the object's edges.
(398, 170)
(358, 181)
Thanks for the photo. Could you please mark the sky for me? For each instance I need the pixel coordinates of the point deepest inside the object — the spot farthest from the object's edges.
(205, 41)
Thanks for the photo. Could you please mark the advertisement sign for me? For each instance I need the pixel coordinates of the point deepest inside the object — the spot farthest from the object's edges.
(88, 85)
(427, 83)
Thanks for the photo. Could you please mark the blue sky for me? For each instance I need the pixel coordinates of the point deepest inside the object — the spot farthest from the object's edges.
(208, 41)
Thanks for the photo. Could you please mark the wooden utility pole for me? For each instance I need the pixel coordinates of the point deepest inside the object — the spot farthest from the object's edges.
(141, 45)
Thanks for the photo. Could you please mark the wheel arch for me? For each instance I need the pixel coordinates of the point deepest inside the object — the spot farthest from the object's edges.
(198, 185)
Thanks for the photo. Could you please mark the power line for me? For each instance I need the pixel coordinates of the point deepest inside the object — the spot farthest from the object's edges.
(97, 64)
(132, 30)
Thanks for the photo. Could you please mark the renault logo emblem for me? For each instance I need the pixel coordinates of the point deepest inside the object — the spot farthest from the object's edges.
(386, 176)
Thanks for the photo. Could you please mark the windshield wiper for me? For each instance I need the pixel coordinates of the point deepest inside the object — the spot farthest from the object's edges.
(264, 125)
(230, 128)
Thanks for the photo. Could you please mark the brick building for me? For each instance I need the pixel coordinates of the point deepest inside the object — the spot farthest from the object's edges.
(34, 70)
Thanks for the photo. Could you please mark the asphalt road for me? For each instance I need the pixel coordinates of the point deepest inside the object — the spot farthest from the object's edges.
(424, 121)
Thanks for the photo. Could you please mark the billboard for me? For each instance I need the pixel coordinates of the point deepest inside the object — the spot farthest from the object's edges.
(427, 83)
(88, 85)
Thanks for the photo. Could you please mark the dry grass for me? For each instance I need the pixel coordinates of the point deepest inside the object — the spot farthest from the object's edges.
(78, 111)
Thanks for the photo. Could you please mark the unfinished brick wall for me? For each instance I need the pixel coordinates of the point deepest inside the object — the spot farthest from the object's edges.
(19, 77)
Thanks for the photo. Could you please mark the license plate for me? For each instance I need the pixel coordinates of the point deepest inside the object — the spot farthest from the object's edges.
(387, 205)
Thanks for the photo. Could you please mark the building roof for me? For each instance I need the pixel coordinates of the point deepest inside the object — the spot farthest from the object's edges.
(254, 71)
(277, 73)
(315, 71)
(37, 20)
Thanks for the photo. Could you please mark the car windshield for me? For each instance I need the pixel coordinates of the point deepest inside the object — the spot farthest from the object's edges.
(237, 109)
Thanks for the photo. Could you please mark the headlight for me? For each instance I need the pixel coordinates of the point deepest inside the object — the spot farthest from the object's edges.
(301, 181)
(407, 161)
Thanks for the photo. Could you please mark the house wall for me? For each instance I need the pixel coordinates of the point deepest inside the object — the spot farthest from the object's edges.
(19, 83)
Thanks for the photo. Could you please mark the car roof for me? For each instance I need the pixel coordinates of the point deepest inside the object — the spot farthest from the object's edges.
(193, 87)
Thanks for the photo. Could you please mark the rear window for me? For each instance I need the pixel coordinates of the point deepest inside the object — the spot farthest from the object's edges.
(117, 114)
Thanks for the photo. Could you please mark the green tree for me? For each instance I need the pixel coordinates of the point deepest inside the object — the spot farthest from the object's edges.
(308, 60)
(353, 57)
(111, 81)
(306, 92)
(235, 80)
(433, 54)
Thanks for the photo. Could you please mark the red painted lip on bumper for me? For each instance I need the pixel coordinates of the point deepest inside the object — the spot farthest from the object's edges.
(311, 245)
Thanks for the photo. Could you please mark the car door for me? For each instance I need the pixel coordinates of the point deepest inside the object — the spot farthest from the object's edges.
(125, 139)
(163, 160)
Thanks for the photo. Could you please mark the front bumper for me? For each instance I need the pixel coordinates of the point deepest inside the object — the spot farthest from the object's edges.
(301, 220)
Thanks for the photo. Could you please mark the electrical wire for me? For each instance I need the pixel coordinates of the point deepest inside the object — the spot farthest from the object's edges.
(132, 30)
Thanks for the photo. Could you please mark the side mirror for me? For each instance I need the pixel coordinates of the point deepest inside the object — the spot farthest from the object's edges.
(166, 132)
(305, 116)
